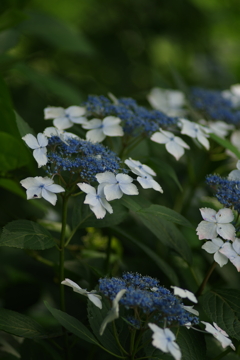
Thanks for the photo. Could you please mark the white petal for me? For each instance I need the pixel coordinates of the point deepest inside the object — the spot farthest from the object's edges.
(210, 247)
(206, 230)
(226, 231)
(147, 182)
(106, 205)
(191, 310)
(40, 156)
(55, 188)
(180, 142)
(183, 293)
(88, 189)
(75, 111)
(95, 300)
(203, 140)
(34, 192)
(208, 214)
(236, 245)
(92, 124)
(159, 138)
(224, 216)
(174, 350)
(31, 141)
(95, 135)
(236, 263)
(98, 210)
(220, 258)
(174, 149)
(124, 179)
(62, 123)
(31, 182)
(53, 112)
(42, 140)
(51, 131)
(111, 120)
(112, 192)
(49, 196)
(129, 189)
(71, 283)
(234, 175)
(228, 251)
(113, 130)
(91, 199)
(106, 177)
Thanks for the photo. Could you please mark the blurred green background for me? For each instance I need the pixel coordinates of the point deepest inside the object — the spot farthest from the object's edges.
(57, 52)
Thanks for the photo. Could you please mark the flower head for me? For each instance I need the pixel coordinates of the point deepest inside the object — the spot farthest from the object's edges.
(232, 252)
(174, 144)
(39, 187)
(39, 146)
(99, 129)
(213, 247)
(96, 199)
(114, 312)
(92, 296)
(65, 118)
(164, 339)
(116, 185)
(219, 334)
(216, 223)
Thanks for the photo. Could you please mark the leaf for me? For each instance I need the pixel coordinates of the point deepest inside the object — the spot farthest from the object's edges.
(167, 214)
(95, 318)
(165, 268)
(226, 144)
(168, 170)
(12, 186)
(73, 325)
(56, 33)
(135, 203)
(13, 153)
(20, 325)
(10, 18)
(23, 126)
(24, 234)
(192, 344)
(223, 307)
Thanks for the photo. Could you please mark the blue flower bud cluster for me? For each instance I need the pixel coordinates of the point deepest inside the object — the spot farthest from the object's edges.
(136, 119)
(80, 157)
(227, 191)
(213, 106)
(148, 297)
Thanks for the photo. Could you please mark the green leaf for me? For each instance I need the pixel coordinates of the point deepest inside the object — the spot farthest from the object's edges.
(226, 144)
(135, 203)
(12, 186)
(73, 325)
(23, 126)
(167, 171)
(95, 318)
(13, 153)
(20, 325)
(223, 307)
(192, 344)
(24, 234)
(167, 214)
(10, 18)
(163, 266)
(56, 33)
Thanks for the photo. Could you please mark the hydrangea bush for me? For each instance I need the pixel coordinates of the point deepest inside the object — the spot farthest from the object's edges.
(100, 179)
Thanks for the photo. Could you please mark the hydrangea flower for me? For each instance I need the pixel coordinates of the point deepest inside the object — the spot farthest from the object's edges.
(65, 118)
(184, 293)
(99, 129)
(170, 102)
(220, 128)
(195, 131)
(235, 174)
(232, 252)
(219, 334)
(92, 296)
(113, 314)
(96, 199)
(116, 185)
(174, 144)
(216, 223)
(164, 339)
(213, 247)
(39, 146)
(39, 187)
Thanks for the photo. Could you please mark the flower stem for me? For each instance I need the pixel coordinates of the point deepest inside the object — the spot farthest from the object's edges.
(205, 280)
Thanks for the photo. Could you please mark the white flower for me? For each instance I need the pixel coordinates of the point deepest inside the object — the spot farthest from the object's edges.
(184, 293)
(116, 185)
(147, 182)
(213, 247)
(195, 131)
(174, 144)
(219, 334)
(65, 118)
(138, 168)
(114, 312)
(220, 128)
(96, 200)
(39, 147)
(92, 296)
(99, 129)
(216, 223)
(168, 101)
(164, 339)
(235, 174)
(39, 187)
(191, 310)
(232, 252)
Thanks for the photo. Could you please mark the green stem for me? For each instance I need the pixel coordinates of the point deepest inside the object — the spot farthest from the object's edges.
(205, 280)
(117, 339)
(133, 334)
(61, 268)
